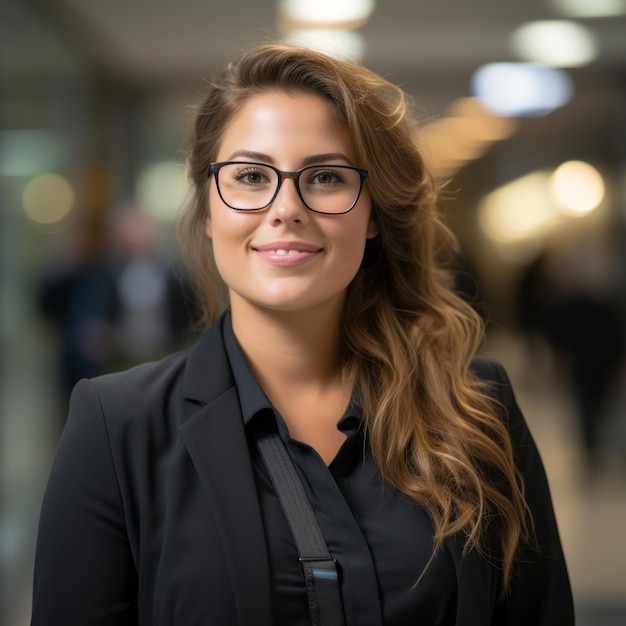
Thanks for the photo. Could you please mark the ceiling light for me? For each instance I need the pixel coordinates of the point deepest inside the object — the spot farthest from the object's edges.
(521, 89)
(590, 8)
(338, 43)
(559, 43)
(326, 12)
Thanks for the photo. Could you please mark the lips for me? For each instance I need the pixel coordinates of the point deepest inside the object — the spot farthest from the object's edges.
(287, 253)
(287, 247)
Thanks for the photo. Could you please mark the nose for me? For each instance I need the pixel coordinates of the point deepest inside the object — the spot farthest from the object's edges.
(287, 206)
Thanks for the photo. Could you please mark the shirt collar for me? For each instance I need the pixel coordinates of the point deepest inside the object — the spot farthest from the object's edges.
(251, 397)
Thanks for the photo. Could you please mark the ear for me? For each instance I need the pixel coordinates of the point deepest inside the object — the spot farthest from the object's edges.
(208, 227)
(372, 228)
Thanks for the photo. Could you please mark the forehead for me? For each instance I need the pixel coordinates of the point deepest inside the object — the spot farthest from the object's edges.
(279, 121)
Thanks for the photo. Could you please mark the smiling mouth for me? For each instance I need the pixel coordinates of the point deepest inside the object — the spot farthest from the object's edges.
(281, 248)
(283, 252)
(288, 255)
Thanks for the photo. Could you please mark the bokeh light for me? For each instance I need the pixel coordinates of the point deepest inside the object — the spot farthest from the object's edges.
(338, 43)
(48, 199)
(578, 187)
(521, 209)
(327, 12)
(559, 43)
(590, 8)
(521, 89)
(162, 188)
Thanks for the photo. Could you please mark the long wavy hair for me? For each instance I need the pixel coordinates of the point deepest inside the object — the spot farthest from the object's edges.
(408, 339)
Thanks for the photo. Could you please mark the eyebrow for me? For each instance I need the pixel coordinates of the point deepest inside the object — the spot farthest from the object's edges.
(310, 160)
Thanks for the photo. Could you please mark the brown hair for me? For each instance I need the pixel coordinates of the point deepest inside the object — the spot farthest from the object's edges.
(409, 339)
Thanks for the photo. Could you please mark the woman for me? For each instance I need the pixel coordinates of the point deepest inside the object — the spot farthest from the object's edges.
(314, 205)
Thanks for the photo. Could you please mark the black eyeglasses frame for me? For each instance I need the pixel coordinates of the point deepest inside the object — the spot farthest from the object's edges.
(214, 168)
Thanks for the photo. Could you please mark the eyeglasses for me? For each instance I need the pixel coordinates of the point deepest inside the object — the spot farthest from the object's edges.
(328, 189)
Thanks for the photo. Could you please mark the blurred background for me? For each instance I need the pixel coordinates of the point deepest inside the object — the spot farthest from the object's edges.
(523, 108)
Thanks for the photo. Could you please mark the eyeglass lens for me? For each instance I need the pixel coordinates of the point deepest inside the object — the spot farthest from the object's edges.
(325, 189)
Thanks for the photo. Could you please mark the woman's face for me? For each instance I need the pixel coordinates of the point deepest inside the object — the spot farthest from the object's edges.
(287, 257)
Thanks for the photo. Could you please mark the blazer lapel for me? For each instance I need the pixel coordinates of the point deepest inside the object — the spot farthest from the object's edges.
(215, 439)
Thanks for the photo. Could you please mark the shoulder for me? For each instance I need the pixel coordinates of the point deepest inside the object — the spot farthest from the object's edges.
(155, 395)
(143, 383)
(130, 404)
(498, 385)
(195, 374)
(143, 380)
(489, 370)
(494, 377)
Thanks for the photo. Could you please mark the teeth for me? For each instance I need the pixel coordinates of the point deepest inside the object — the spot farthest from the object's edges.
(281, 252)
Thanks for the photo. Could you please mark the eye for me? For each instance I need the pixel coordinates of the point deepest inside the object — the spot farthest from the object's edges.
(326, 177)
(251, 176)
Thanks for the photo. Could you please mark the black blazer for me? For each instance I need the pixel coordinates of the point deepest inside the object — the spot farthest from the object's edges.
(151, 515)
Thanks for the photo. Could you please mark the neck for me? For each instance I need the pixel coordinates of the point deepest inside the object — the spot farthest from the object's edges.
(290, 348)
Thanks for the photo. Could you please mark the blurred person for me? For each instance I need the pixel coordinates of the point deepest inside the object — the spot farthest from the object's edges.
(152, 308)
(315, 244)
(581, 322)
(116, 306)
(75, 296)
(536, 293)
(588, 335)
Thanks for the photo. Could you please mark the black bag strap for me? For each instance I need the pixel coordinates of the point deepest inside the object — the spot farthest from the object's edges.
(319, 567)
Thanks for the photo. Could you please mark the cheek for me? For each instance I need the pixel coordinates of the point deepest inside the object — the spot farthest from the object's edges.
(351, 246)
(223, 256)
(230, 233)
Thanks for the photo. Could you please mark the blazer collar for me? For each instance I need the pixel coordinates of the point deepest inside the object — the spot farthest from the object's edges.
(208, 373)
(214, 435)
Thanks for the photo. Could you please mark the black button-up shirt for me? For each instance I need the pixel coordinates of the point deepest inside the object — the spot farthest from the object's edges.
(380, 538)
